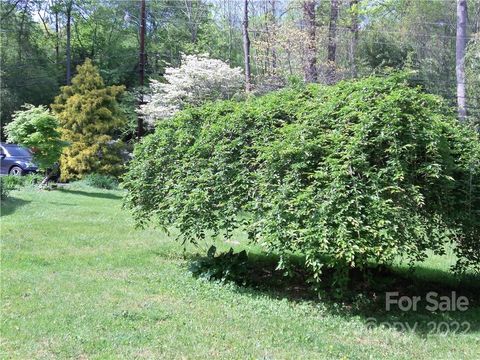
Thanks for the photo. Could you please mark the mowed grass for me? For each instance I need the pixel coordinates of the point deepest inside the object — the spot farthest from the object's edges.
(79, 281)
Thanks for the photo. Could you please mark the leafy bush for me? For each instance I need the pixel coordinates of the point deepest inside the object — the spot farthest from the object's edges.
(36, 128)
(4, 189)
(16, 182)
(224, 267)
(32, 179)
(355, 173)
(101, 181)
(11, 182)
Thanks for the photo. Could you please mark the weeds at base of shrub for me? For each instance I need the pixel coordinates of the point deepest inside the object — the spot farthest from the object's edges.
(341, 288)
(224, 267)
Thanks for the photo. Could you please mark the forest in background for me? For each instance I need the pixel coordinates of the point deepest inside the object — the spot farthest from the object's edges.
(289, 41)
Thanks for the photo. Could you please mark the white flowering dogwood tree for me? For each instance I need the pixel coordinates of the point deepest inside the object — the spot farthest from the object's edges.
(197, 80)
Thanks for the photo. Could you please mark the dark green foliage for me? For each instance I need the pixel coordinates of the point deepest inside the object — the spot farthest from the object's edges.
(227, 266)
(4, 188)
(378, 51)
(359, 172)
(101, 181)
(11, 182)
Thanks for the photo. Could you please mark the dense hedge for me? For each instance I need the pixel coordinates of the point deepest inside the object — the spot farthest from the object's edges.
(361, 171)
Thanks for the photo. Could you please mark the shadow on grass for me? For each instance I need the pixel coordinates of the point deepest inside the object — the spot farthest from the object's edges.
(366, 295)
(60, 203)
(10, 205)
(100, 195)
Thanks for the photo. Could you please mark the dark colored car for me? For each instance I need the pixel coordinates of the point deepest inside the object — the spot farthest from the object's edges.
(15, 160)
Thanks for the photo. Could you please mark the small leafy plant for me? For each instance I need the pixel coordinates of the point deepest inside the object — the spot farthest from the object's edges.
(225, 267)
(16, 182)
(12, 182)
(4, 189)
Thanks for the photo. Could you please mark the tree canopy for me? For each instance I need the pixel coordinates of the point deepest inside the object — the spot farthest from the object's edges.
(37, 129)
(362, 37)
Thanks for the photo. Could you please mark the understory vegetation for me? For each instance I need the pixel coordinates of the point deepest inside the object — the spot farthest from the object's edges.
(101, 181)
(10, 182)
(356, 173)
(4, 190)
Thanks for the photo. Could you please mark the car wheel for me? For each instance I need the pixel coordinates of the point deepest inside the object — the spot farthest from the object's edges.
(16, 171)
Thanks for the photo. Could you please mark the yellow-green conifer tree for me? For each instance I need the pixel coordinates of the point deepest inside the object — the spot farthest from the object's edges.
(89, 116)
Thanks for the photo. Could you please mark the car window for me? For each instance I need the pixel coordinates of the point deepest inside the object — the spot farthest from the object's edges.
(18, 151)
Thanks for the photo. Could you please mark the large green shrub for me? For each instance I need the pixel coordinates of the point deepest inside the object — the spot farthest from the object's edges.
(362, 171)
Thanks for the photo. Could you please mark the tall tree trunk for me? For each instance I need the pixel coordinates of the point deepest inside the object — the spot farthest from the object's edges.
(476, 25)
(311, 58)
(332, 42)
(461, 45)
(246, 47)
(21, 34)
(268, 38)
(192, 15)
(141, 66)
(227, 16)
(354, 37)
(68, 50)
(274, 25)
(57, 40)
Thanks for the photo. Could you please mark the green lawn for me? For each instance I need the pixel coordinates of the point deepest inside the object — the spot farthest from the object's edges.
(79, 281)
